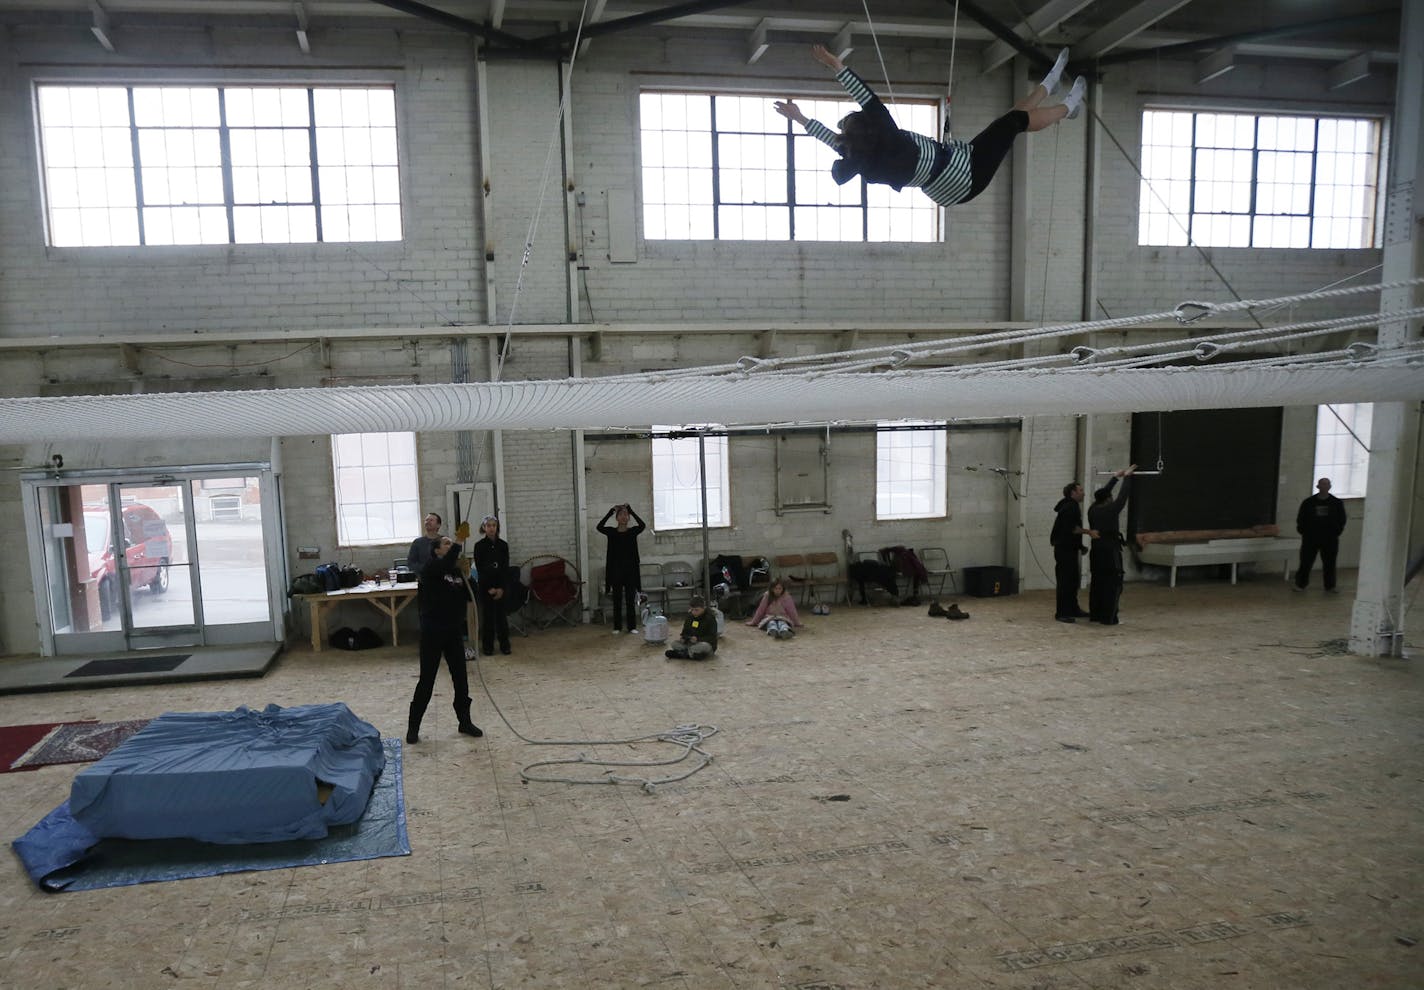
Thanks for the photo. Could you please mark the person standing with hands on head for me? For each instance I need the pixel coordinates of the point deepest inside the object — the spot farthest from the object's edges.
(1105, 557)
(949, 172)
(620, 569)
(441, 597)
(1068, 550)
(492, 571)
(420, 548)
(1320, 521)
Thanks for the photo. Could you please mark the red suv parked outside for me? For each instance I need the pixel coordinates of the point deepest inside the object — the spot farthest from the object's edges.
(148, 548)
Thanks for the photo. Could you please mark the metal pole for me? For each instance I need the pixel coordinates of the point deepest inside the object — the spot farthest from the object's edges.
(702, 477)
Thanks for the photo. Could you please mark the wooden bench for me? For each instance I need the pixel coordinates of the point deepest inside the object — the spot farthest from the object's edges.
(1233, 551)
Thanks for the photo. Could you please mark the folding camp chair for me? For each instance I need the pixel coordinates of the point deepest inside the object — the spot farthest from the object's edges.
(555, 588)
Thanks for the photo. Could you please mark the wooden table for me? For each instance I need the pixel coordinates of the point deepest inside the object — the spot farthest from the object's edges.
(389, 599)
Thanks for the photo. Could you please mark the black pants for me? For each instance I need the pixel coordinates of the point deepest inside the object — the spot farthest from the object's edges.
(989, 148)
(438, 640)
(1327, 547)
(1067, 572)
(494, 623)
(1105, 581)
(625, 598)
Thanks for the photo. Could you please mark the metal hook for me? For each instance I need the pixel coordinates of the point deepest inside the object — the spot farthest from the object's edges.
(1190, 312)
(1206, 350)
(1083, 354)
(1362, 351)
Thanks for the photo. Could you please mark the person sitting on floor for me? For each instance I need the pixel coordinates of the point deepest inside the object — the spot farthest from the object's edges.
(776, 612)
(699, 633)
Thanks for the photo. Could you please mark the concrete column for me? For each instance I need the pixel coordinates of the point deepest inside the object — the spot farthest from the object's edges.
(1377, 622)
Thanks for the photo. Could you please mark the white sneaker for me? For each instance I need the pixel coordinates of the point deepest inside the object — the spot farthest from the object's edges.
(1074, 100)
(1050, 81)
(617, 632)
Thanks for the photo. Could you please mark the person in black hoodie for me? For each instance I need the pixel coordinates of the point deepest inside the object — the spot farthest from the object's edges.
(441, 599)
(1068, 550)
(1319, 522)
(620, 569)
(1105, 557)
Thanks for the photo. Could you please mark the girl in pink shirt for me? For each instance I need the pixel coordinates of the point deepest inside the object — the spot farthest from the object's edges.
(776, 612)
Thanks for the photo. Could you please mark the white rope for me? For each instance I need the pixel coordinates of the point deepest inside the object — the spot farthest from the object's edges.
(554, 141)
(884, 73)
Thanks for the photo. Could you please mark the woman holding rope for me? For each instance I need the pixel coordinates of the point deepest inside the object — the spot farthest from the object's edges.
(950, 172)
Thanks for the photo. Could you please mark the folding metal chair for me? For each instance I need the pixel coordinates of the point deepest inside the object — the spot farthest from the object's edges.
(653, 584)
(936, 563)
(555, 587)
(680, 582)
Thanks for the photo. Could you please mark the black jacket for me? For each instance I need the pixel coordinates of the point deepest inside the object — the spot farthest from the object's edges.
(1068, 516)
(1320, 518)
(703, 628)
(441, 595)
(621, 566)
(491, 563)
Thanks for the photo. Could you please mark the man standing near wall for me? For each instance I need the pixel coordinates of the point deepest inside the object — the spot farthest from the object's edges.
(1319, 522)
(1068, 551)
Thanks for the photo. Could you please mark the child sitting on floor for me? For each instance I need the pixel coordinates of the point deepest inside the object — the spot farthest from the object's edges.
(776, 612)
(699, 633)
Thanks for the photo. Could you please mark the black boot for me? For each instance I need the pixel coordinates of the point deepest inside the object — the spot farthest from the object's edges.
(470, 729)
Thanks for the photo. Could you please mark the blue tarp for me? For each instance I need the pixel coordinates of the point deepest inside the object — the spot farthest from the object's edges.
(235, 777)
(60, 854)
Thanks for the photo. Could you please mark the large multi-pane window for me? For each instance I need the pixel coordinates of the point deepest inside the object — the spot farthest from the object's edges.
(1342, 452)
(726, 167)
(1257, 180)
(910, 471)
(150, 165)
(677, 482)
(377, 491)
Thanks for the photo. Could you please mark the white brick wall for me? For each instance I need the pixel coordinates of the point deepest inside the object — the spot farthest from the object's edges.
(437, 276)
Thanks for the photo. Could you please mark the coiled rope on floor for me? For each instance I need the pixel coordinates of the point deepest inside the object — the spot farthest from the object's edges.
(689, 737)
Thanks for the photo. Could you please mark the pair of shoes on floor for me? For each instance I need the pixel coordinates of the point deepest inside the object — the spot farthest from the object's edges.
(470, 729)
(820, 608)
(953, 612)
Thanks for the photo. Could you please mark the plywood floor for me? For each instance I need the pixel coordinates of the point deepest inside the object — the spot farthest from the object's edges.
(1212, 794)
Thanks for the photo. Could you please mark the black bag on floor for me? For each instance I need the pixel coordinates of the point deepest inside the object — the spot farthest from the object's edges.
(347, 638)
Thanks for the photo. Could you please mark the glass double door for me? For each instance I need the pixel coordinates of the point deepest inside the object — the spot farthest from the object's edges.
(131, 565)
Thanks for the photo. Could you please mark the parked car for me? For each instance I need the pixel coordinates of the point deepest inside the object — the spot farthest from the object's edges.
(148, 549)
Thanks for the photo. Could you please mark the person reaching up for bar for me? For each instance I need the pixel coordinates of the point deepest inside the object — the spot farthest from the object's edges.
(949, 172)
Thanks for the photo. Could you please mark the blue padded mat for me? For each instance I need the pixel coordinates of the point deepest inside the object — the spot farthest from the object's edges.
(60, 854)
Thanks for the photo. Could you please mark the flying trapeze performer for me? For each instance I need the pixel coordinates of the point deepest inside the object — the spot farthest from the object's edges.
(950, 172)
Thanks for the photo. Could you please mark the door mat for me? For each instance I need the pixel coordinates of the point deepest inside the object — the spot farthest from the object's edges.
(59, 854)
(74, 742)
(17, 740)
(130, 665)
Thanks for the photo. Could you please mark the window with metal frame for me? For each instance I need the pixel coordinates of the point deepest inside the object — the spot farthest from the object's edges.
(722, 166)
(910, 460)
(1342, 447)
(1259, 180)
(131, 165)
(377, 492)
(677, 480)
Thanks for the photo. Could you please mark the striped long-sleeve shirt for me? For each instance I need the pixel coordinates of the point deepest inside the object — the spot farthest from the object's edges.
(941, 169)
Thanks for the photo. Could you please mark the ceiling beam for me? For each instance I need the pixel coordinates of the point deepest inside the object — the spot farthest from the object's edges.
(1350, 71)
(1326, 27)
(100, 26)
(757, 43)
(1131, 22)
(462, 24)
(636, 20)
(1042, 20)
(303, 42)
(1002, 32)
(1218, 63)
